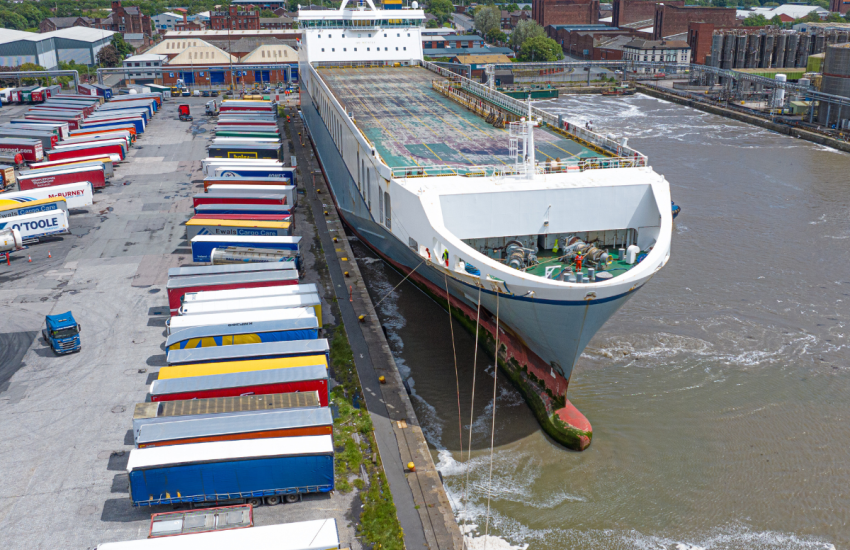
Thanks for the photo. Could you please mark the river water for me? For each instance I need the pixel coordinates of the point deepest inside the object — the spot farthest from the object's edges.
(719, 395)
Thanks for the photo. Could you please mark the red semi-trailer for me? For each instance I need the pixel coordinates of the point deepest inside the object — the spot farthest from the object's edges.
(87, 150)
(30, 149)
(73, 122)
(34, 179)
(178, 287)
(288, 380)
(246, 217)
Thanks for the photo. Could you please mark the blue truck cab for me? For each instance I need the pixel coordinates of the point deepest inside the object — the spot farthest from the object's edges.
(62, 333)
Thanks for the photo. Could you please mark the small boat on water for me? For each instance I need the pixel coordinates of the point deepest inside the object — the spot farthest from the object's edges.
(619, 90)
(676, 209)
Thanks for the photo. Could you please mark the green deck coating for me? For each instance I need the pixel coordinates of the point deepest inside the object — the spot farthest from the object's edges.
(547, 259)
(411, 124)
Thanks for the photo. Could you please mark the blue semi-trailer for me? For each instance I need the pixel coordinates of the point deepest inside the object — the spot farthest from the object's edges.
(253, 471)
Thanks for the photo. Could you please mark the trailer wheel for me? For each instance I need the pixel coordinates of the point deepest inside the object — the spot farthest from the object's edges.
(255, 502)
(291, 498)
(272, 500)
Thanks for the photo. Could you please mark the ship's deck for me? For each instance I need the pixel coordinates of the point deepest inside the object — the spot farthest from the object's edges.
(411, 124)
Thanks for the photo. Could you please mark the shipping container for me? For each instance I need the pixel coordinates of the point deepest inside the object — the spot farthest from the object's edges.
(291, 380)
(195, 227)
(222, 427)
(37, 226)
(202, 245)
(170, 411)
(248, 352)
(105, 162)
(30, 149)
(254, 304)
(249, 332)
(249, 187)
(62, 175)
(176, 287)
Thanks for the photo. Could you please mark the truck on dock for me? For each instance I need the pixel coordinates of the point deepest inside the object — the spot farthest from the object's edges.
(62, 332)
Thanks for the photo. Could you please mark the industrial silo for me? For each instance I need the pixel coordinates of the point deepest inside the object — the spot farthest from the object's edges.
(835, 81)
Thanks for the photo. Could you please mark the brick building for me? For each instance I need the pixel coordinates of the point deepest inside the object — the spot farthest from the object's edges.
(277, 23)
(57, 23)
(518, 16)
(670, 19)
(565, 12)
(235, 18)
(595, 42)
(632, 11)
(136, 27)
(840, 6)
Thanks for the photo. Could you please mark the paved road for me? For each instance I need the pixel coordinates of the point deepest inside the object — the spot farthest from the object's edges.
(65, 421)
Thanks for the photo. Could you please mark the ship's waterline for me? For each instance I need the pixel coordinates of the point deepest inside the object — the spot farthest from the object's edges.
(718, 394)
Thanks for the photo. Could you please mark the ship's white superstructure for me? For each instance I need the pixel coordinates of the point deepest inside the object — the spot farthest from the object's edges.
(472, 207)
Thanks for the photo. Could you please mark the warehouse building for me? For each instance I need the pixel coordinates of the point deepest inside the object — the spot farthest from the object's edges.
(78, 44)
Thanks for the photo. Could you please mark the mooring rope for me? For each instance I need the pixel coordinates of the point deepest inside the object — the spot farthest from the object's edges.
(493, 426)
(457, 378)
(471, 418)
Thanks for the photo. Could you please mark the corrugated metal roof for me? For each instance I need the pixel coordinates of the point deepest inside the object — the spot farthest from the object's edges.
(226, 425)
(83, 34)
(247, 351)
(238, 379)
(271, 53)
(169, 410)
(221, 451)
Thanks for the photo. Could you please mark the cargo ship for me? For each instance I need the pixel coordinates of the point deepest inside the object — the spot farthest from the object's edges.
(479, 197)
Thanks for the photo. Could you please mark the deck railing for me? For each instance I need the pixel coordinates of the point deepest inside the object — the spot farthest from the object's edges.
(520, 108)
(562, 167)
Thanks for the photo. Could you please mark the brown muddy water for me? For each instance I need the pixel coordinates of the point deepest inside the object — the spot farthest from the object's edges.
(719, 395)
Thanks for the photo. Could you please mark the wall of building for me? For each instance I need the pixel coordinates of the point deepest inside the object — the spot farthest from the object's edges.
(670, 19)
(223, 76)
(632, 11)
(565, 12)
(840, 6)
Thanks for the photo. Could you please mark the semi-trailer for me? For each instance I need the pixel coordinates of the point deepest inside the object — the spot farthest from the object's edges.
(202, 245)
(47, 137)
(145, 414)
(39, 225)
(62, 175)
(249, 332)
(230, 367)
(76, 195)
(222, 427)
(195, 227)
(241, 470)
(248, 352)
(300, 536)
(7, 176)
(249, 217)
(245, 151)
(254, 304)
(241, 255)
(31, 150)
(278, 209)
(13, 209)
(249, 293)
(284, 173)
(61, 127)
(195, 270)
(78, 150)
(291, 380)
(176, 287)
(105, 161)
(239, 198)
(249, 187)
